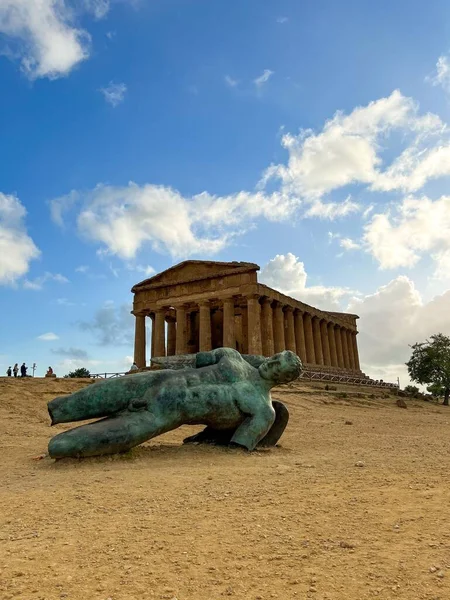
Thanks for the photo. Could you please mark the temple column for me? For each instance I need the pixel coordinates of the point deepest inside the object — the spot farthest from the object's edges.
(289, 330)
(229, 334)
(309, 339)
(317, 341)
(152, 348)
(171, 336)
(345, 348)
(254, 324)
(325, 343)
(160, 341)
(181, 331)
(350, 349)
(267, 327)
(340, 354)
(355, 350)
(300, 335)
(139, 341)
(332, 341)
(278, 328)
(205, 326)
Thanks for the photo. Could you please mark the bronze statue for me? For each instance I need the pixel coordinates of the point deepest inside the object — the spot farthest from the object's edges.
(224, 392)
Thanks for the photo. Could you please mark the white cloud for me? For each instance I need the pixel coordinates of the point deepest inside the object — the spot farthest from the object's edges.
(124, 219)
(418, 226)
(331, 210)
(286, 273)
(348, 244)
(114, 93)
(60, 206)
(263, 78)
(230, 81)
(146, 270)
(43, 36)
(99, 8)
(38, 283)
(349, 149)
(82, 269)
(64, 302)
(392, 318)
(282, 20)
(48, 337)
(17, 249)
(442, 75)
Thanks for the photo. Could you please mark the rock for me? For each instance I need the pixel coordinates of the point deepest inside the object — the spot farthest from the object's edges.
(401, 403)
(349, 422)
(360, 463)
(440, 574)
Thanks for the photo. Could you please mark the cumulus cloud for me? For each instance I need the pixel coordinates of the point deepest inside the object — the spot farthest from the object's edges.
(392, 318)
(114, 93)
(287, 274)
(348, 244)
(123, 219)
(38, 283)
(111, 325)
(43, 36)
(347, 151)
(263, 78)
(48, 337)
(399, 238)
(17, 249)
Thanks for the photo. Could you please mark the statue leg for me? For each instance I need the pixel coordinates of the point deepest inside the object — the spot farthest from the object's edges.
(276, 431)
(107, 436)
(257, 424)
(222, 437)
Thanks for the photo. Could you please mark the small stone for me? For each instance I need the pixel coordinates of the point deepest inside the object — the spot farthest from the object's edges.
(360, 463)
(433, 569)
(440, 574)
(349, 422)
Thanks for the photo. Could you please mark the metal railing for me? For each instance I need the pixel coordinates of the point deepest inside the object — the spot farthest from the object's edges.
(345, 378)
(107, 375)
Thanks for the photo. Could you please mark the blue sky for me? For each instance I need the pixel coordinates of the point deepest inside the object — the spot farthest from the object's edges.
(309, 137)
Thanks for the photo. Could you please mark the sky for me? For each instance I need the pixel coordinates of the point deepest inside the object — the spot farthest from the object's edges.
(311, 138)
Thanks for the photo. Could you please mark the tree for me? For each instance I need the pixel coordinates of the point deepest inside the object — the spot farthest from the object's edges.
(436, 390)
(430, 363)
(82, 372)
(411, 390)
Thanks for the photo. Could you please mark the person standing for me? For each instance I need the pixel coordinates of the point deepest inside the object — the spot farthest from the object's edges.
(16, 369)
(9, 372)
(23, 370)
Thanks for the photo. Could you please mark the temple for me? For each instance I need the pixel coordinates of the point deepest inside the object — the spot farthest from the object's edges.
(201, 305)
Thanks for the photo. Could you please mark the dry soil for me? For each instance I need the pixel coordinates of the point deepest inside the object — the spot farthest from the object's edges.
(353, 505)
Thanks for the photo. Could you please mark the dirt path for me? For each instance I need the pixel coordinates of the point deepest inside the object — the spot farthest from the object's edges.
(197, 523)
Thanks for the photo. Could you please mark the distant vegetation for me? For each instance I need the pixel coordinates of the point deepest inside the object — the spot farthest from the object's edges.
(82, 372)
(430, 365)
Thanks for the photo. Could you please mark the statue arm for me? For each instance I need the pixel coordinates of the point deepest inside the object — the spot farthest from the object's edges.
(205, 359)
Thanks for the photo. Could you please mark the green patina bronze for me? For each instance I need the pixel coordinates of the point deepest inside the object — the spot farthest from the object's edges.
(223, 391)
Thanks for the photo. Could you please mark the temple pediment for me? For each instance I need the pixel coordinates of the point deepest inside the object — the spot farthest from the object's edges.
(195, 270)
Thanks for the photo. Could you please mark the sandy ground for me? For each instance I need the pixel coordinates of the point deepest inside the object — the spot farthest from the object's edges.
(198, 523)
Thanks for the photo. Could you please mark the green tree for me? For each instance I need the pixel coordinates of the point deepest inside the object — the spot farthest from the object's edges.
(82, 372)
(436, 390)
(430, 363)
(411, 390)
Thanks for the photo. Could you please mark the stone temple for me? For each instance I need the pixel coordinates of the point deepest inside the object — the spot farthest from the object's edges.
(201, 305)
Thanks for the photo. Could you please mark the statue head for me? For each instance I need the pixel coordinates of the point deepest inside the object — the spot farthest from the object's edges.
(281, 368)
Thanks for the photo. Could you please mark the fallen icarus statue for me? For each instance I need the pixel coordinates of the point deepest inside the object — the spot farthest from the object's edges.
(223, 391)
